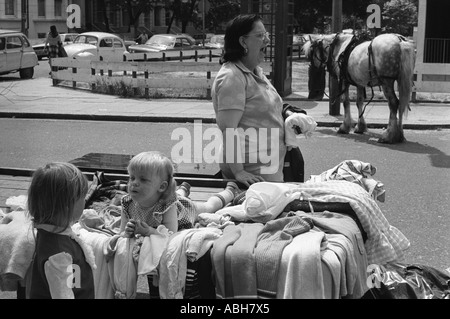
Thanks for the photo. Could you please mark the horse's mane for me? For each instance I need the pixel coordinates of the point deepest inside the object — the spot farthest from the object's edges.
(306, 48)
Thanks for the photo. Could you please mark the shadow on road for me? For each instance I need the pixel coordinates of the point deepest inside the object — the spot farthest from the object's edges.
(437, 157)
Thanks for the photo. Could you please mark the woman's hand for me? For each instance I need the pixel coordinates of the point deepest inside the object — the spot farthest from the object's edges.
(247, 178)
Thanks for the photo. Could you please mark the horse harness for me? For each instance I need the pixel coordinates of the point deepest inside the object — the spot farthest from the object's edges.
(343, 58)
(342, 62)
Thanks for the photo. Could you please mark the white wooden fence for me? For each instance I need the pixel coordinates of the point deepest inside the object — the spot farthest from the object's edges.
(140, 76)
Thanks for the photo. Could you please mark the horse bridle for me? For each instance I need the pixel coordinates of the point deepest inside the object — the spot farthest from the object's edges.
(317, 47)
(325, 61)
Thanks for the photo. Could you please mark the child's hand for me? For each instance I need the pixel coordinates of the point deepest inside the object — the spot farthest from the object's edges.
(130, 228)
(143, 228)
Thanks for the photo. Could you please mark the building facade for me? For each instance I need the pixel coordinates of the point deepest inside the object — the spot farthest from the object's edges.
(34, 17)
(432, 68)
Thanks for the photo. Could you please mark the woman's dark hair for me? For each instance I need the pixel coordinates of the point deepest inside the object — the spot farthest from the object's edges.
(53, 30)
(237, 27)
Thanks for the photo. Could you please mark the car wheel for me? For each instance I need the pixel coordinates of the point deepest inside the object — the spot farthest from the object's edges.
(26, 73)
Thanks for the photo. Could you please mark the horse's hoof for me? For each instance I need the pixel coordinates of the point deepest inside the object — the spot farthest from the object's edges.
(343, 131)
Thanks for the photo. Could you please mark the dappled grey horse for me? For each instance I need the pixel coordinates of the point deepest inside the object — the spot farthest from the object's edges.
(363, 63)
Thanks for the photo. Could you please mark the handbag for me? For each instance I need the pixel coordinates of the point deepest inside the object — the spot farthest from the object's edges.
(62, 52)
(294, 166)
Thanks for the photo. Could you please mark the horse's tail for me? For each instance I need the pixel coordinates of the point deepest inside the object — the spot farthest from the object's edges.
(405, 80)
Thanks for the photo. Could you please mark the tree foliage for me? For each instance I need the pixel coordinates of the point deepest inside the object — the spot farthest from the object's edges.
(315, 16)
(310, 16)
(220, 12)
(183, 11)
(399, 16)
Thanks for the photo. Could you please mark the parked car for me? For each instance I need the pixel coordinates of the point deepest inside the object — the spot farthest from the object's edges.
(165, 43)
(127, 41)
(97, 46)
(201, 38)
(39, 44)
(216, 42)
(16, 54)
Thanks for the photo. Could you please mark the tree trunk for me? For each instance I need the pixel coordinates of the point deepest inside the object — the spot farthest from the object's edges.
(105, 16)
(170, 23)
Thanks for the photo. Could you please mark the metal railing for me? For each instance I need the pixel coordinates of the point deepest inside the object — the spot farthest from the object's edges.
(436, 50)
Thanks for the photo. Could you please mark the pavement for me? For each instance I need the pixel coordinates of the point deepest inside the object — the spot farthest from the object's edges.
(39, 99)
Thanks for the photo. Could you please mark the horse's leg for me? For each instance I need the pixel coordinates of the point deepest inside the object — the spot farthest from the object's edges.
(345, 127)
(393, 134)
(361, 127)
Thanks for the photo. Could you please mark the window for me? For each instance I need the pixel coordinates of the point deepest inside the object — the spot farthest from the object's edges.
(106, 43)
(2, 43)
(25, 42)
(168, 17)
(41, 8)
(10, 7)
(117, 44)
(13, 42)
(157, 13)
(58, 8)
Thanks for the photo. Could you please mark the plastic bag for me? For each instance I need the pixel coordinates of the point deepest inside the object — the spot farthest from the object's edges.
(409, 281)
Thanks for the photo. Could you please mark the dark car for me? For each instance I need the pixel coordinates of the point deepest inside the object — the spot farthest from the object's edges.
(165, 43)
(201, 38)
(171, 44)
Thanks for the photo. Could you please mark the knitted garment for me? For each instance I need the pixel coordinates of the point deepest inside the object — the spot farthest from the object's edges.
(273, 238)
(242, 260)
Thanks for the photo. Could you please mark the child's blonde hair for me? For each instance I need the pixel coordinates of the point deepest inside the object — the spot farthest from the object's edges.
(158, 164)
(53, 191)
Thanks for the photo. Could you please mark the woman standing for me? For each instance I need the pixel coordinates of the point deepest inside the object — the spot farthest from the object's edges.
(249, 111)
(52, 44)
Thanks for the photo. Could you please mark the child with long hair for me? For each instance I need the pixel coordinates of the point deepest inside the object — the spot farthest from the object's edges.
(62, 264)
(153, 198)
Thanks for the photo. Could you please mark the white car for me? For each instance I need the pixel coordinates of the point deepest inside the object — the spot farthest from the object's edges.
(16, 54)
(39, 44)
(97, 46)
(216, 42)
